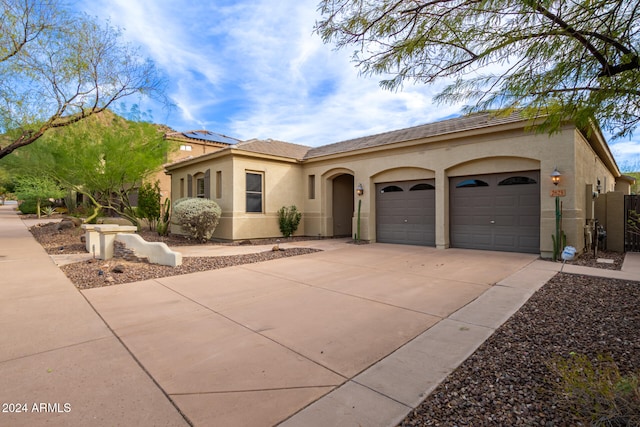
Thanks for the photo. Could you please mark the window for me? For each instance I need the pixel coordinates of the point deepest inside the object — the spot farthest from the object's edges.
(218, 184)
(200, 187)
(181, 187)
(391, 189)
(254, 192)
(421, 187)
(186, 148)
(312, 186)
(518, 180)
(472, 183)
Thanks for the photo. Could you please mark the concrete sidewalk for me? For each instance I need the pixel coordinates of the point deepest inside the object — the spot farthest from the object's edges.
(353, 335)
(60, 363)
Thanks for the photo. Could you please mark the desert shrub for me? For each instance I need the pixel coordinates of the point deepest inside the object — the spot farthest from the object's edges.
(288, 219)
(597, 393)
(149, 203)
(30, 206)
(197, 217)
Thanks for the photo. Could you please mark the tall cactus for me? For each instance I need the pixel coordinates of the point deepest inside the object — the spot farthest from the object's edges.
(165, 219)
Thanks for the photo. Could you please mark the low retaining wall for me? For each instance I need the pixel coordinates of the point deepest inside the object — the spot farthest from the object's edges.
(155, 252)
(100, 241)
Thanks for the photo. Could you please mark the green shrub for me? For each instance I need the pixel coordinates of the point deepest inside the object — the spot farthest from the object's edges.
(288, 219)
(597, 393)
(30, 206)
(197, 217)
(149, 203)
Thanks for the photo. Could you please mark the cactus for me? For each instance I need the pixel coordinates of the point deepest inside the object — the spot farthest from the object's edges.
(558, 244)
(165, 219)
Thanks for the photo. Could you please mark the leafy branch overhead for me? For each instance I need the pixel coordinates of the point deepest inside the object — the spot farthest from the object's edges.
(59, 67)
(567, 59)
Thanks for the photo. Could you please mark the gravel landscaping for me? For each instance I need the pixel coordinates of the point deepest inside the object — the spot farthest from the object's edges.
(97, 273)
(511, 380)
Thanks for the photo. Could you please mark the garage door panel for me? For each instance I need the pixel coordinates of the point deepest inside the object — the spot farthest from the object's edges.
(529, 201)
(503, 214)
(532, 221)
(406, 217)
(506, 221)
(505, 240)
(507, 201)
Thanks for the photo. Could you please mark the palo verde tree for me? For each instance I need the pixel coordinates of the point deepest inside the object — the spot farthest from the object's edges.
(561, 59)
(59, 67)
(105, 158)
(37, 188)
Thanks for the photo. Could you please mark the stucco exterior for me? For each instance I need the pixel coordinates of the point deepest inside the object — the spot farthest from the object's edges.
(322, 182)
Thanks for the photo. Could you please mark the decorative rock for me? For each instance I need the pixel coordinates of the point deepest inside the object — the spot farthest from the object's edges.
(65, 225)
(118, 269)
(109, 279)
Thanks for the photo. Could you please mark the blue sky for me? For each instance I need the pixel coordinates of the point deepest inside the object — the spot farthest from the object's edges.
(255, 69)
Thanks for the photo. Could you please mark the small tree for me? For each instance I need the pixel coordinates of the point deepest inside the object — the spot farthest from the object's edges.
(38, 189)
(149, 203)
(197, 217)
(289, 219)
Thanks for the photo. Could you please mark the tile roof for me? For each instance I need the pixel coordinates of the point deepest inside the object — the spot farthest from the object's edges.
(273, 147)
(458, 124)
(303, 152)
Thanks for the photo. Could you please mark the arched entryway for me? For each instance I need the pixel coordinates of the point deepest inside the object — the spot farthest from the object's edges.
(342, 202)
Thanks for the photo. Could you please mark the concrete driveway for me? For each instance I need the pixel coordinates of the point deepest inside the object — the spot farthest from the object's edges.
(258, 344)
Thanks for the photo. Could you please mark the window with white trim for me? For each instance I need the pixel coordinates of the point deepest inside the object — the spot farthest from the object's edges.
(254, 192)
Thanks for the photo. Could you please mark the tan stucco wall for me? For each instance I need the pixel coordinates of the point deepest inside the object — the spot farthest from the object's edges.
(223, 165)
(283, 186)
(588, 169)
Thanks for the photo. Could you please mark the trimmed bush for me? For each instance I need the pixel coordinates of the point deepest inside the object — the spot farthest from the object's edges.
(197, 217)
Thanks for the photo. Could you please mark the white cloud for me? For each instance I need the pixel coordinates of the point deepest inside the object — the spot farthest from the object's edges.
(256, 69)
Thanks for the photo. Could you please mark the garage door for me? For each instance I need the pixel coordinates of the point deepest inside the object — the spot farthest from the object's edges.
(498, 212)
(405, 212)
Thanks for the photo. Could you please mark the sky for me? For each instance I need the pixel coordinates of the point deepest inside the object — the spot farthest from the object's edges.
(256, 69)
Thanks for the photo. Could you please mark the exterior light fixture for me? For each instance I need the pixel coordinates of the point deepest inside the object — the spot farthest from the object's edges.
(555, 176)
(359, 190)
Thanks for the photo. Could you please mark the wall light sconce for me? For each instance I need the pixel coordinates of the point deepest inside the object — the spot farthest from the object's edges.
(555, 176)
(359, 190)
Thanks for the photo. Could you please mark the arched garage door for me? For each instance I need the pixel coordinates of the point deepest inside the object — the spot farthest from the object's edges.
(405, 212)
(499, 212)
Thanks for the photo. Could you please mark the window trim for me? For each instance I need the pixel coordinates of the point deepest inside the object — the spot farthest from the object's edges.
(200, 187)
(253, 192)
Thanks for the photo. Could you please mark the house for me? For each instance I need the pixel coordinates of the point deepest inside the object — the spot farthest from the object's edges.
(185, 145)
(479, 181)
